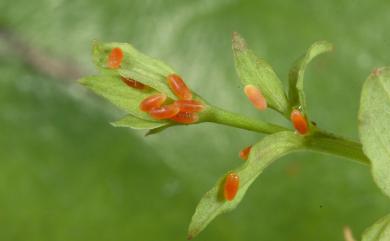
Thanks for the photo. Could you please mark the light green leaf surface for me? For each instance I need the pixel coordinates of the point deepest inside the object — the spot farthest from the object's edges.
(112, 88)
(256, 71)
(297, 72)
(379, 231)
(137, 123)
(135, 65)
(374, 125)
(262, 154)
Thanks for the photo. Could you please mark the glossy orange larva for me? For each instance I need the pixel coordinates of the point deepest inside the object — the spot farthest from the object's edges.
(133, 83)
(179, 88)
(164, 112)
(151, 102)
(299, 121)
(189, 106)
(115, 58)
(232, 182)
(186, 117)
(244, 153)
(256, 97)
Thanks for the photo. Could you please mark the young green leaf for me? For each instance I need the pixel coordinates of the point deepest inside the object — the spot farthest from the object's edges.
(374, 125)
(137, 123)
(379, 231)
(296, 93)
(256, 71)
(135, 65)
(262, 154)
(113, 89)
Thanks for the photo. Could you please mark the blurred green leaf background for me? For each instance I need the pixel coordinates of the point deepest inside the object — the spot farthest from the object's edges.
(66, 174)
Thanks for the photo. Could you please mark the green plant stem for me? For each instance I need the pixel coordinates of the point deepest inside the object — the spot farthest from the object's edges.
(217, 115)
(318, 140)
(325, 142)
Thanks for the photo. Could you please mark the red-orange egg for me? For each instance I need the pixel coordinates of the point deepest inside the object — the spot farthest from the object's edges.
(164, 112)
(133, 83)
(190, 106)
(186, 118)
(115, 58)
(151, 102)
(244, 153)
(178, 87)
(232, 182)
(299, 121)
(256, 97)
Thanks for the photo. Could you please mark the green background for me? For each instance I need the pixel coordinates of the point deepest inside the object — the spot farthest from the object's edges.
(66, 174)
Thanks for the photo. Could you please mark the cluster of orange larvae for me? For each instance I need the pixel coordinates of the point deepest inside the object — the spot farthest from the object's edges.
(185, 111)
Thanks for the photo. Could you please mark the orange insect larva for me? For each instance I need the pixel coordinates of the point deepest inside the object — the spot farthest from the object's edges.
(256, 97)
(178, 87)
(133, 83)
(244, 153)
(186, 118)
(164, 112)
(299, 121)
(151, 102)
(115, 58)
(232, 183)
(190, 106)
